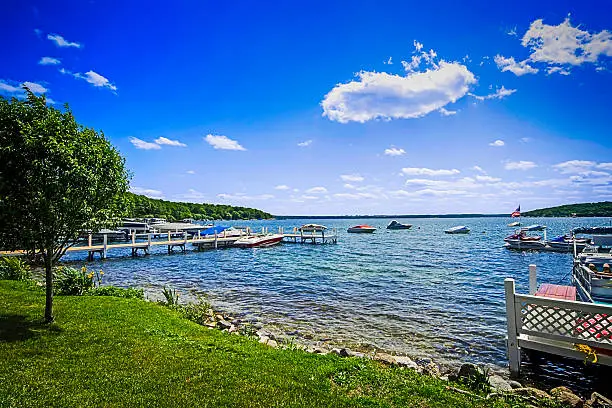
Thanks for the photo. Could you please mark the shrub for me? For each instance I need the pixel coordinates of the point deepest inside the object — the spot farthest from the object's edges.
(128, 293)
(197, 312)
(72, 281)
(171, 296)
(13, 268)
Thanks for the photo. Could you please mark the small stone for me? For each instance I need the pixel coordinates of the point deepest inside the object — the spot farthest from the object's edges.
(515, 384)
(499, 384)
(319, 350)
(444, 378)
(385, 358)
(264, 339)
(566, 397)
(308, 336)
(224, 324)
(340, 352)
(219, 317)
(468, 370)
(210, 312)
(531, 392)
(431, 369)
(211, 324)
(232, 329)
(357, 354)
(404, 361)
(272, 343)
(236, 322)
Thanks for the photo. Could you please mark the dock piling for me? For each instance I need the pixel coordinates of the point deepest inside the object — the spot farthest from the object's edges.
(104, 246)
(533, 279)
(514, 352)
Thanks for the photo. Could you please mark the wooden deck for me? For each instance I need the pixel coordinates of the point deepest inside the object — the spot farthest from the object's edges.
(173, 239)
(550, 320)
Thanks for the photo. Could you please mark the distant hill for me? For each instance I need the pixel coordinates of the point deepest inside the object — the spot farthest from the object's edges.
(145, 207)
(601, 209)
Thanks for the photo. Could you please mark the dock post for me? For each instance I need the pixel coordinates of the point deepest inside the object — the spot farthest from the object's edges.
(133, 237)
(104, 246)
(149, 243)
(216, 241)
(533, 279)
(89, 240)
(514, 353)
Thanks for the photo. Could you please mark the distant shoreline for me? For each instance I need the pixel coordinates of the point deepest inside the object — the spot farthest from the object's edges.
(350, 217)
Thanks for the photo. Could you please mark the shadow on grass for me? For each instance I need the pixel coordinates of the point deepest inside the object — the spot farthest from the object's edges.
(18, 328)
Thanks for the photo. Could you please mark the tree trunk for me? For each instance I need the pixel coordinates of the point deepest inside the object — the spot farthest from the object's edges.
(49, 287)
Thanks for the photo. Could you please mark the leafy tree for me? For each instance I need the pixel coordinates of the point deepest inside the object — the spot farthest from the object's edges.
(57, 179)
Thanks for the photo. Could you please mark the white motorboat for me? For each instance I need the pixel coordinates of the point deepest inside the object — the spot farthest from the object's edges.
(254, 241)
(312, 228)
(514, 224)
(361, 229)
(591, 272)
(521, 241)
(394, 225)
(459, 229)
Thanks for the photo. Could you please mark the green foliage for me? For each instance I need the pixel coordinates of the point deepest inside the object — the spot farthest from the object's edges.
(171, 295)
(112, 352)
(478, 381)
(13, 268)
(75, 282)
(600, 209)
(145, 207)
(127, 293)
(197, 312)
(57, 179)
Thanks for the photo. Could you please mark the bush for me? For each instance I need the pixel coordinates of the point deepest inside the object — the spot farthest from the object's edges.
(75, 282)
(128, 293)
(197, 312)
(13, 268)
(171, 295)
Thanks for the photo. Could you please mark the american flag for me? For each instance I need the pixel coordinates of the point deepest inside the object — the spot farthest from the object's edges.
(517, 212)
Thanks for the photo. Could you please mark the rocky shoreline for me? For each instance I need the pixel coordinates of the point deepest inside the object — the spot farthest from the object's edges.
(491, 385)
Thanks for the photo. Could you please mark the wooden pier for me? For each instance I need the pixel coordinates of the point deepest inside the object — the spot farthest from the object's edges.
(549, 320)
(176, 240)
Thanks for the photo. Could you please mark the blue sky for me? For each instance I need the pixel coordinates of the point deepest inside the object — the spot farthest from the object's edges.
(334, 107)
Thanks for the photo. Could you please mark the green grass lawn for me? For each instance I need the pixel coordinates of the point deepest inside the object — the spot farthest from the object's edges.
(107, 351)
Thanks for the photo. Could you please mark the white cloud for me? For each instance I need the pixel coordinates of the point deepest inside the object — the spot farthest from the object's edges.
(564, 44)
(487, 179)
(351, 177)
(380, 95)
(520, 165)
(305, 143)
(281, 187)
(61, 42)
(149, 192)
(497, 143)
(526, 139)
(574, 166)
(446, 112)
(91, 77)
(316, 190)
(498, 94)
(517, 68)
(389, 61)
(165, 141)
(190, 172)
(17, 90)
(141, 144)
(223, 142)
(605, 166)
(356, 196)
(49, 61)
(558, 47)
(245, 197)
(416, 171)
(394, 151)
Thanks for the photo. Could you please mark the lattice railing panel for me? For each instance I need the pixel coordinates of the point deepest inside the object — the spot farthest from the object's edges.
(566, 322)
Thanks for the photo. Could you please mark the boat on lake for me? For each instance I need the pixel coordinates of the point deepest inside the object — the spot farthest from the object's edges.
(567, 243)
(459, 229)
(535, 227)
(257, 241)
(312, 228)
(361, 229)
(522, 241)
(591, 272)
(394, 225)
(514, 224)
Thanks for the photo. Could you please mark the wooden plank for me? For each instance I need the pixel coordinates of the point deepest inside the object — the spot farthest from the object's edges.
(557, 291)
(565, 349)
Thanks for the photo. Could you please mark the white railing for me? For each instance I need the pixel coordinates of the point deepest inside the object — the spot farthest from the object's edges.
(554, 325)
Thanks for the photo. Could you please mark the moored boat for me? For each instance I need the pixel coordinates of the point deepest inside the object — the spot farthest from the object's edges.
(521, 241)
(591, 272)
(459, 229)
(361, 229)
(394, 225)
(254, 241)
(312, 228)
(514, 224)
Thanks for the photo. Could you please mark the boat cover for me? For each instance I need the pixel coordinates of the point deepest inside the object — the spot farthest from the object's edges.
(211, 231)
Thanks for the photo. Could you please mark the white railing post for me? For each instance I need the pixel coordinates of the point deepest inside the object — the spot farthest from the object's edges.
(89, 240)
(514, 353)
(533, 279)
(104, 246)
(169, 236)
(216, 242)
(133, 237)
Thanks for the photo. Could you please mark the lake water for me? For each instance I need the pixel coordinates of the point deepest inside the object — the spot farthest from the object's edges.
(418, 292)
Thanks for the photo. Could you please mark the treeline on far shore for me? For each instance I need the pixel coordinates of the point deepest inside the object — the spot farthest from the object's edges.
(145, 207)
(600, 209)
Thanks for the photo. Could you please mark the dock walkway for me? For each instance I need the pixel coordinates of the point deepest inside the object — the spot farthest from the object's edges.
(550, 320)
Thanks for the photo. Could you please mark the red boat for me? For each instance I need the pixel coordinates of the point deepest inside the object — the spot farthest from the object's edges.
(362, 229)
(259, 241)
